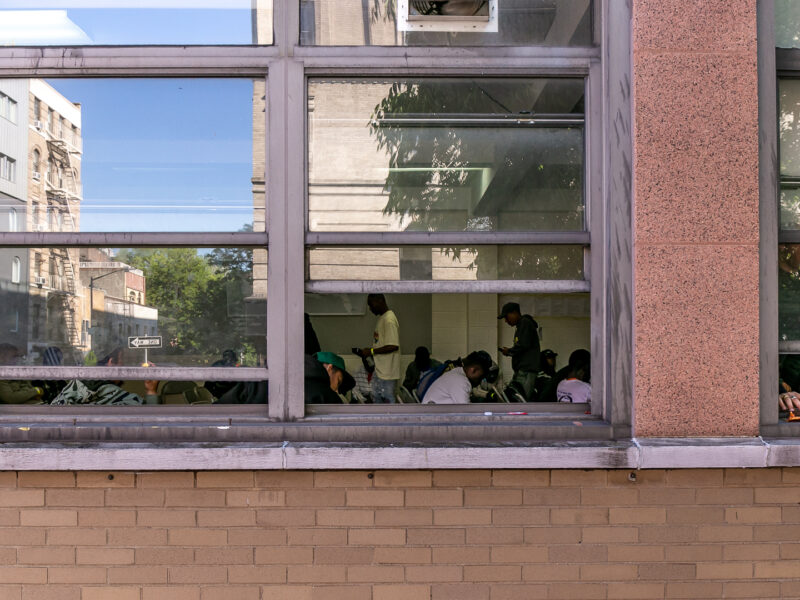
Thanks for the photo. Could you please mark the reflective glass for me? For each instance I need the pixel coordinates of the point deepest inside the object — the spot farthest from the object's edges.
(446, 264)
(375, 22)
(448, 326)
(789, 291)
(137, 154)
(134, 22)
(787, 24)
(90, 303)
(446, 155)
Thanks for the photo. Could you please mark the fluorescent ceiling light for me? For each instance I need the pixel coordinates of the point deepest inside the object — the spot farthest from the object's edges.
(34, 27)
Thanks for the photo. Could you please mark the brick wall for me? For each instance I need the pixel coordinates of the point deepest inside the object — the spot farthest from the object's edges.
(400, 535)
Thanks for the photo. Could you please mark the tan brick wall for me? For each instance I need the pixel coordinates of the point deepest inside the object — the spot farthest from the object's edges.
(400, 535)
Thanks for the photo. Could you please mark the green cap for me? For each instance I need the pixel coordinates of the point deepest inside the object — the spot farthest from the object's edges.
(331, 359)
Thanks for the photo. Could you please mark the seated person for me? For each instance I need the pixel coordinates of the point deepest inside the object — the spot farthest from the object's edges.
(547, 370)
(16, 391)
(455, 386)
(575, 387)
(422, 362)
(326, 378)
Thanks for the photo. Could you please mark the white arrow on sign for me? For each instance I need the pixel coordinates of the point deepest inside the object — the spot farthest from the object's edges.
(145, 342)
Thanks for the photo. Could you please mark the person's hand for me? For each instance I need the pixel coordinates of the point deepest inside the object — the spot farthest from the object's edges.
(365, 352)
(789, 401)
(150, 385)
(505, 350)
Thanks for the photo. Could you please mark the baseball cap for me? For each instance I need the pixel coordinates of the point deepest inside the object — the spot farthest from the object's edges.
(331, 359)
(508, 307)
(547, 353)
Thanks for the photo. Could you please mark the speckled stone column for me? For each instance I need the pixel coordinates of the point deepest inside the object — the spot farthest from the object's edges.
(695, 103)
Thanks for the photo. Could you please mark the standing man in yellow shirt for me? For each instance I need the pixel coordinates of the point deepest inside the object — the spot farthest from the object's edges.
(385, 350)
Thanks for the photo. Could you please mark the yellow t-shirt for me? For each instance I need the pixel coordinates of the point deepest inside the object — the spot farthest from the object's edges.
(387, 333)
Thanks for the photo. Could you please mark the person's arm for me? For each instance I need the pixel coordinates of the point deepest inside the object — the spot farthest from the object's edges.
(412, 377)
(18, 394)
(524, 338)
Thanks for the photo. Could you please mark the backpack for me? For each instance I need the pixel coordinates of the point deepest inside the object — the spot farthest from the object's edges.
(428, 377)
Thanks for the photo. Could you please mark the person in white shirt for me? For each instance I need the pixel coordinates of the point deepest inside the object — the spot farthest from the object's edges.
(576, 388)
(385, 350)
(455, 386)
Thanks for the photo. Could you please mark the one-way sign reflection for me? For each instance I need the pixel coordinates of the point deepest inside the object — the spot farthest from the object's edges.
(145, 341)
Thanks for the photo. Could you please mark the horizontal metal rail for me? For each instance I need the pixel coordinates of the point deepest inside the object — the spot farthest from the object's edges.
(446, 238)
(137, 373)
(541, 286)
(35, 239)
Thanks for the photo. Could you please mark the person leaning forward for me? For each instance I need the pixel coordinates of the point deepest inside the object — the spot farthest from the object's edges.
(524, 353)
(385, 350)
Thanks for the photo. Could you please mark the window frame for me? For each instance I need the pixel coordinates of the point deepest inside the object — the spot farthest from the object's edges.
(286, 66)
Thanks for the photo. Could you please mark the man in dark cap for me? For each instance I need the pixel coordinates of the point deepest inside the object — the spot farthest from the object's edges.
(524, 353)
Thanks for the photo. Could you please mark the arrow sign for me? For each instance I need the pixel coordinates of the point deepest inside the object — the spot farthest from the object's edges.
(145, 341)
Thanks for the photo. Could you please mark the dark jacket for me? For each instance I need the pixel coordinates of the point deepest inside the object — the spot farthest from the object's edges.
(525, 351)
(318, 383)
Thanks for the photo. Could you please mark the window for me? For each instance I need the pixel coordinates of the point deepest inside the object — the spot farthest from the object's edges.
(12, 219)
(8, 108)
(37, 109)
(16, 269)
(8, 168)
(37, 160)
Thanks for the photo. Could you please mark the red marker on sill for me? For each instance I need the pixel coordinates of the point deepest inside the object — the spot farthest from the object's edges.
(517, 413)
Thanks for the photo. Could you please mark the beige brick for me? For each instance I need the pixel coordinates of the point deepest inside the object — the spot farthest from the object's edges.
(246, 536)
(773, 569)
(521, 478)
(578, 553)
(435, 574)
(760, 514)
(165, 479)
(401, 592)
(555, 535)
(76, 575)
(484, 573)
(48, 592)
(377, 537)
(693, 553)
(180, 536)
(68, 536)
(635, 553)
(695, 589)
(375, 498)
(403, 517)
(636, 515)
(18, 498)
(610, 535)
(23, 575)
(403, 479)
(436, 536)
(223, 556)
(341, 592)
(9, 517)
(315, 536)
(752, 477)
(519, 554)
(226, 592)
(467, 478)
(751, 589)
(197, 574)
(790, 514)
(164, 556)
(171, 592)
(727, 496)
(550, 573)
(48, 518)
(138, 574)
(230, 517)
(8, 556)
(46, 479)
(790, 475)
(74, 497)
(495, 535)
(462, 516)
(256, 574)
(106, 518)
(166, 518)
(773, 533)
(316, 498)
(756, 552)
(669, 571)
(493, 497)
(375, 574)
(461, 556)
(195, 498)
(110, 593)
(578, 591)
(316, 574)
(694, 478)
(332, 555)
(579, 516)
(104, 556)
(390, 556)
(298, 555)
(725, 533)
(566, 496)
(286, 592)
(615, 496)
(787, 551)
(27, 536)
(287, 517)
(257, 498)
(724, 570)
(620, 477)
(283, 480)
(635, 591)
(667, 496)
(137, 536)
(134, 497)
(520, 516)
(344, 517)
(607, 572)
(435, 497)
(345, 479)
(9, 479)
(460, 591)
(104, 479)
(225, 479)
(790, 589)
(578, 478)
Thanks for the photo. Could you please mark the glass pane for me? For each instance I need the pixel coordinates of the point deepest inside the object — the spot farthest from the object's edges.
(790, 207)
(138, 154)
(787, 23)
(375, 22)
(134, 22)
(447, 326)
(446, 264)
(90, 302)
(446, 155)
(789, 291)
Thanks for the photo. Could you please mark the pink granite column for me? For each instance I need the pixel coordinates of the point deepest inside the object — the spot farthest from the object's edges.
(695, 103)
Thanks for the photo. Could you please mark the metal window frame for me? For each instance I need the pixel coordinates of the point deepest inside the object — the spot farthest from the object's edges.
(287, 66)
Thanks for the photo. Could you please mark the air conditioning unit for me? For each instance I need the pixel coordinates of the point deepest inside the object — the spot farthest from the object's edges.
(475, 16)
(39, 125)
(37, 176)
(40, 280)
